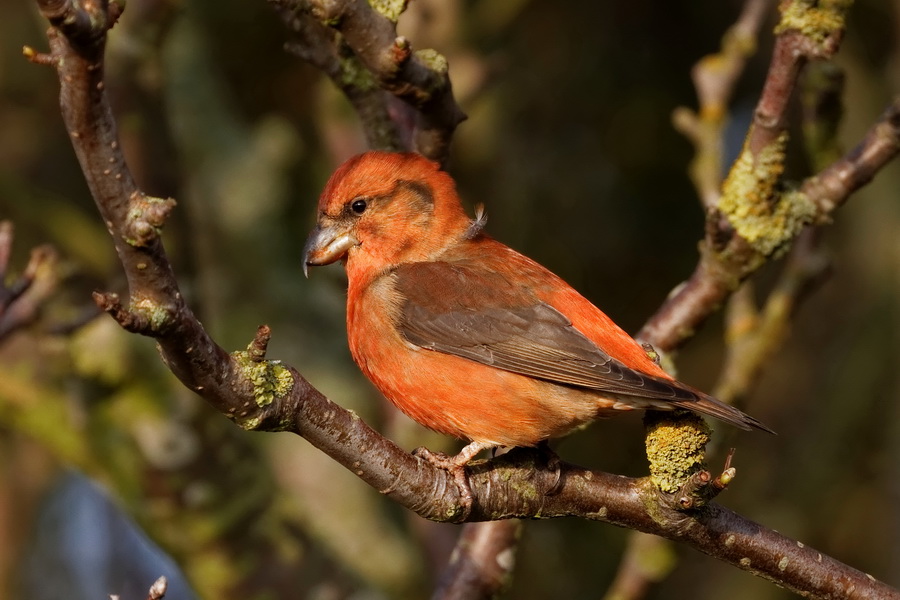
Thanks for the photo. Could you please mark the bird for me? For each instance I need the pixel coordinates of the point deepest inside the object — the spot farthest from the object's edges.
(465, 335)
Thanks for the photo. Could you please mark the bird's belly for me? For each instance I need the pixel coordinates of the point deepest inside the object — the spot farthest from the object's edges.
(463, 398)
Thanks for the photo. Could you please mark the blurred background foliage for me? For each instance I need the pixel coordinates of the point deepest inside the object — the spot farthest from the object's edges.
(569, 144)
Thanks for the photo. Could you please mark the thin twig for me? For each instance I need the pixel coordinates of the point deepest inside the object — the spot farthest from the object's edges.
(158, 589)
(325, 37)
(22, 299)
(715, 77)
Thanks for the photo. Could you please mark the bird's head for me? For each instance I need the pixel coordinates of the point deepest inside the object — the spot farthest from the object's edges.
(381, 209)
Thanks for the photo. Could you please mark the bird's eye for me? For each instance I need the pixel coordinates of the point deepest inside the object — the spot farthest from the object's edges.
(358, 206)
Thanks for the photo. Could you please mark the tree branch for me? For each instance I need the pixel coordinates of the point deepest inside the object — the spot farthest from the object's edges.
(725, 264)
(21, 300)
(482, 562)
(755, 218)
(715, 77)
(324, 48)
(368, 39)
(649, 559)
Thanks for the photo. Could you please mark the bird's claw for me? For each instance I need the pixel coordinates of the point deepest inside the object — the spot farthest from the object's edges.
(457, 469)
(554, 465)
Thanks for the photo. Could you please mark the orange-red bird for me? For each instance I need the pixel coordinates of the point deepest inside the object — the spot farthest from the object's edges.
(465, 335)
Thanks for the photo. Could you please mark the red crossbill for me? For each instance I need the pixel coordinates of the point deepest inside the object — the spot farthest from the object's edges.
(465, 335)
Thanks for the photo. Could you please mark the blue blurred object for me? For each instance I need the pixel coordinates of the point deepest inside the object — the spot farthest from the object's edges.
(85, 548)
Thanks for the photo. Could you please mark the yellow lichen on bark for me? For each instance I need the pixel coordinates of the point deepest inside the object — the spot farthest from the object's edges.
(754, 204)
(817, 21)
(675, 448)
(270, 379)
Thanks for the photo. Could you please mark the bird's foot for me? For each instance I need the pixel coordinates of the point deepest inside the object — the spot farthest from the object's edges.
(456, 466)
(554, 465)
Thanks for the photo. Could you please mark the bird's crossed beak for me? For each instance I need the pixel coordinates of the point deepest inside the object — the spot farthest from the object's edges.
(325, 245)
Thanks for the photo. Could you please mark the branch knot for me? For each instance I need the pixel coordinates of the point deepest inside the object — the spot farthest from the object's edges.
(270, 380)
(145, 218)
(144, 316)
(85, 23)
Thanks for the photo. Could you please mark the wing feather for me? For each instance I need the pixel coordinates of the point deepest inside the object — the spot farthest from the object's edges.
(535, 340)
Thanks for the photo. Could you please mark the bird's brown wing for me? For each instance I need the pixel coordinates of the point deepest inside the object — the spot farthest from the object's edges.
(460, 310)
(537, 341)
(463, 311)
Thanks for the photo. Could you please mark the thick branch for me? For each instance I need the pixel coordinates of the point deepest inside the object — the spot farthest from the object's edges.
(324, 48)
(419, 78)
(632, 503)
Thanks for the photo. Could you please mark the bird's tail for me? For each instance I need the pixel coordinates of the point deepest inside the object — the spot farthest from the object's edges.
(705, 404)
